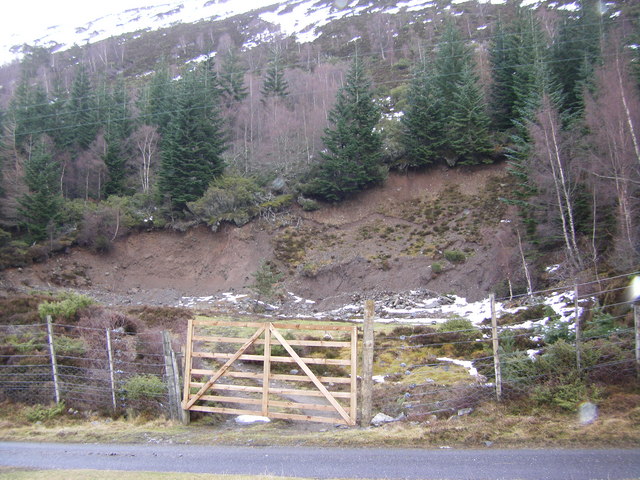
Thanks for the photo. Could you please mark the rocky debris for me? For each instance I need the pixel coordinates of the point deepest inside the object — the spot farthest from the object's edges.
(381, 418)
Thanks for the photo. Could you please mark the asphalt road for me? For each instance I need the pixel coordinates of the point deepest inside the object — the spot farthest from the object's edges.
(374, 463)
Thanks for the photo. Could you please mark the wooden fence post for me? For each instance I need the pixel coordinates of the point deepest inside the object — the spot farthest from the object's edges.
(186, 415)
(266, 371)
(171, 371)
(367, 363)
(636, 316)
(578, 327)
(54, 363)
(111, 373)
(496, 346)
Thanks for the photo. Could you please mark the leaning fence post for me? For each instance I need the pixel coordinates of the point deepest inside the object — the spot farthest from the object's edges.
(367, 363)
(111, 372)
(496, 345)
(54, 363)
(636, 316)
(186, 415)
(578, 327)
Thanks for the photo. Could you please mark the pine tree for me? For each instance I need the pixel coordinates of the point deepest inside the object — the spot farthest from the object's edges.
(82, 111)
(275, 85)
(159, 100)
(30, 111)
(452, 57)
(232, 78)
(467, 131)
(118, 127)
(352, 159)
(193, 145)
(503, 54)
(39, 208)
(423, 122)
(576, 52)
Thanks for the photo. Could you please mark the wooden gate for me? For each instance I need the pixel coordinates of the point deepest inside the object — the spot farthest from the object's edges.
(246, 384)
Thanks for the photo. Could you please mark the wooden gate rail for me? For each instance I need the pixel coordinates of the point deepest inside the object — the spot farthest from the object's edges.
(214, 390)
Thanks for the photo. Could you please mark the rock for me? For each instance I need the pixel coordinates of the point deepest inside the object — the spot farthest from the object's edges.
(464, 411)
(294, 372)
(381, 418)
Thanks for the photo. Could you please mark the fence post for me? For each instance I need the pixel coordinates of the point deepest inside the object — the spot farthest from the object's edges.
(636, 316)
(186, 415)
(367, 363)
(171, 371)
(111, 373)
(266, 371)
(54, 363)
(578, 327)
(496, 345)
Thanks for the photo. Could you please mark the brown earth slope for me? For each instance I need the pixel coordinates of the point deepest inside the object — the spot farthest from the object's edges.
(396, 237)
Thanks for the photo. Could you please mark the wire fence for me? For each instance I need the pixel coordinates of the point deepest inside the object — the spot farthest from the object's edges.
(557, 348)
(86, 368)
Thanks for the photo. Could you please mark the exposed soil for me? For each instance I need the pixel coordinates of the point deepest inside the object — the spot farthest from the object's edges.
(366, 244)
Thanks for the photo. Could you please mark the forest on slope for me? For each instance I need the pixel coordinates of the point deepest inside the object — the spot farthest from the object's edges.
(91, 153)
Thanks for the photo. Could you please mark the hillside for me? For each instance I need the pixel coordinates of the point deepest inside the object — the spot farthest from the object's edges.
(381, 241)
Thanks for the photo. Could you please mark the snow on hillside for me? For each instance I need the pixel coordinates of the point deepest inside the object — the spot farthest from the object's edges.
(60, 25)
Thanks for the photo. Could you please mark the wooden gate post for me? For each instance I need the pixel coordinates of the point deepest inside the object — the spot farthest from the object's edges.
(496, 346)
(367, 363)
(54, 363)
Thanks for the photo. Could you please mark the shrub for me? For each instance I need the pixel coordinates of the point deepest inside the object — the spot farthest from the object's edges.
(229, 198)
(436, 267)
(67, 308)
(308, 204)
(455, 256)
(266, 280)
(40, 413)
(142, 387)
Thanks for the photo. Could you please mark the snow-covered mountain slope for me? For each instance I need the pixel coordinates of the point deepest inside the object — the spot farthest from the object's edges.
(302, 18)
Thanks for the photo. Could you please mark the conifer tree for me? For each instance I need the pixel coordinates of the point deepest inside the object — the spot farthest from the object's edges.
(423, 122)
(467, 130)
(159, 102)
(39, 208)
(118, 127)
(81, 110)
(576, 52)
(503, 55)
(193, 144)
(275, 85)
(232, 78)
(30, 111)
(352, 159)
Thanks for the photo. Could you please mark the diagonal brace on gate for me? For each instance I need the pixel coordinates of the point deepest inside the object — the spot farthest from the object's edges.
(223, 369)
(345, 416)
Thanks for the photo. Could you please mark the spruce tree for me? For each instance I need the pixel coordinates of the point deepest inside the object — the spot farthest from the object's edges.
(275, 85)
(467, 130)
(576, 52)
(159, 100)
(504, 59)
(423, 119)
(232, 78)
(39, 208)
(82, 110)
(118, 126)
(29, 108)
(352, 159)
(192, 147)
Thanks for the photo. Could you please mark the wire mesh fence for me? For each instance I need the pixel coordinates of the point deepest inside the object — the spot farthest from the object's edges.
(86, 368)
(557, 348)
